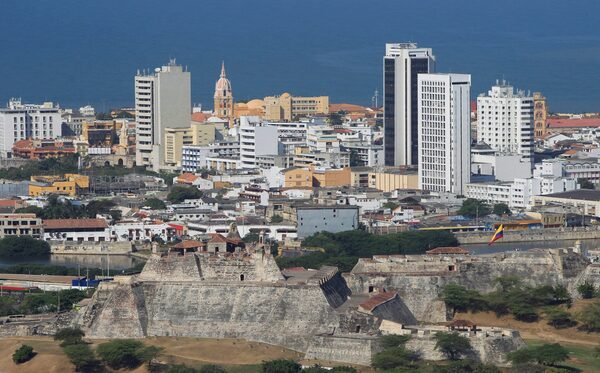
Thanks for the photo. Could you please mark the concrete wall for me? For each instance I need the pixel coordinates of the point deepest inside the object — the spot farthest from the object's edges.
(333, 219)
(342, 348)
(90, 248)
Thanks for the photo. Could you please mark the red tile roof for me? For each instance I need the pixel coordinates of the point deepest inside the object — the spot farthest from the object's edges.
(334, 108)
(188, 244)
(573, 123)
(216, 237)
(200, 117)
(447, 250)
(74, 223)
(377, 300)
(187, 178)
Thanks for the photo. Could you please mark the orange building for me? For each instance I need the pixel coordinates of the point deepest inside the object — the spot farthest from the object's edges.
(42, 149)
(311, 177)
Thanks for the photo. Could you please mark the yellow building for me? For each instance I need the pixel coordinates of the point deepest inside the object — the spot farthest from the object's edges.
(251, 108)
(287, 107)
(311, 177)
(177, 138)
(389, 180)
(69, 184)
(540, 115)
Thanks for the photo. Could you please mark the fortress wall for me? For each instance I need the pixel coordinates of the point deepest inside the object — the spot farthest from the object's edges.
(253, 267)
(342, 348)
(287, 316)
(171, 268)
(118, 313)
(336, 290)
(532, 235)
(395, 310)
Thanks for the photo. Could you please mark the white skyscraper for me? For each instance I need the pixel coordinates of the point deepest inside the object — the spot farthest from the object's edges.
(20, 121)
(256, 139)
(401, 65)
(505, 120)
(444, 132)
(162, 99)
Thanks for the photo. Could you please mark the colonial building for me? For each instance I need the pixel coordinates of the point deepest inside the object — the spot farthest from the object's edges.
(223, 97)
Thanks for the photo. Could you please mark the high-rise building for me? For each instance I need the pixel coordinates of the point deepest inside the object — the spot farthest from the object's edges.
(402, 64)
(444, 122)
(223, 97)
(540, 115)
(20, 121)
(256, 139)
(505, 120)
(162, 100)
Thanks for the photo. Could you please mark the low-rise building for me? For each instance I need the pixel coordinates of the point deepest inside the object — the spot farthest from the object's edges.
(43, 148)
(286, 107)
(68, 184)
(585, 201)
(80, 230)
(21, 225)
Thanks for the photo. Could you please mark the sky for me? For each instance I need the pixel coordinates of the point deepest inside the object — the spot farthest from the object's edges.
(87, 52)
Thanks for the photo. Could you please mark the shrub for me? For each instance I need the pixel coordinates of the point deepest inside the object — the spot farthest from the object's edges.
(394, 357)
(315, 369)
(589, 317)
(82, 356)
(23, 354)
(343, 369)
(461, 299)
(126, 353)
(453, 345)
(586, 290)
(559, 318)
(67, 333)
(23, 247)
(211, 369)
(179, 193)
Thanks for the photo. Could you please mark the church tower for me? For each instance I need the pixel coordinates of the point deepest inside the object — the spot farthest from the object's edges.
(223, 97)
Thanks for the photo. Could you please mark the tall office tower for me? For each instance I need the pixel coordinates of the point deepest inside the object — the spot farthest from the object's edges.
(20, 121)
(256, 139)
(505, 120)
(540, 115)
(444, 112)
(162, 100)
(401, 65)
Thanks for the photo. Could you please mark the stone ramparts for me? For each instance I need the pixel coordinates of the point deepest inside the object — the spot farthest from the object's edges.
(532, 235)
(90, 248)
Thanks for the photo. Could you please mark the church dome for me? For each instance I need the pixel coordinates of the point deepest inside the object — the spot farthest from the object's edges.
(223, 85)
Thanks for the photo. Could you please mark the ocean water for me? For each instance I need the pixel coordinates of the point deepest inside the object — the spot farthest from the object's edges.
(78, 52)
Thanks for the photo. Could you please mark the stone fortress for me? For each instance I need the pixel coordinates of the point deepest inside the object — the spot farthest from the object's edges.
(239, 292)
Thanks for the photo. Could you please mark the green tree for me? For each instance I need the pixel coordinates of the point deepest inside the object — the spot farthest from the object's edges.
(501, 209)
(69, 336)
(546, 354)
(179, 193)
(126, 353)
(472, 208)
(390, 205)
(393, 358)
(23, 354)
(276, 219)
(155, 204)
(315, 369)
(281, 366)
(82, 356)
(586, 290)
(250, 237)
(453, 345)
(211, 369)
(589, 317)
(559, 318)
(335, 119)
(461, 299)
(23, 247)
(507, 283)
(7, 305)
(393, 340)
(585, 184)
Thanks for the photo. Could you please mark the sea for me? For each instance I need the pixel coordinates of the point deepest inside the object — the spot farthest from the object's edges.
(87, 52)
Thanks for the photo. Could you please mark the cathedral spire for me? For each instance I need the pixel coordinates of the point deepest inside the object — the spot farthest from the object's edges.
(223, 75)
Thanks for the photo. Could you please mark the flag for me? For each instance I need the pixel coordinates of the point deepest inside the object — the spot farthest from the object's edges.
(498, 234)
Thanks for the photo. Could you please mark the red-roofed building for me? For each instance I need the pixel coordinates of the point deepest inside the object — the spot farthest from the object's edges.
(42, 149)
(562, 123)
(94, 230)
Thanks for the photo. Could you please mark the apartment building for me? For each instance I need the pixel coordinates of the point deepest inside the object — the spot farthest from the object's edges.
(21, 225)
(286, 107)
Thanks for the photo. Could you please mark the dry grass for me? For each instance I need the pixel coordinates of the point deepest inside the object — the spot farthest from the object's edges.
(49, 358)
(539, 330)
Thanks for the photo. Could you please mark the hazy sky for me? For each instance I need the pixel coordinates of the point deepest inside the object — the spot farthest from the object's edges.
(77, 52)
